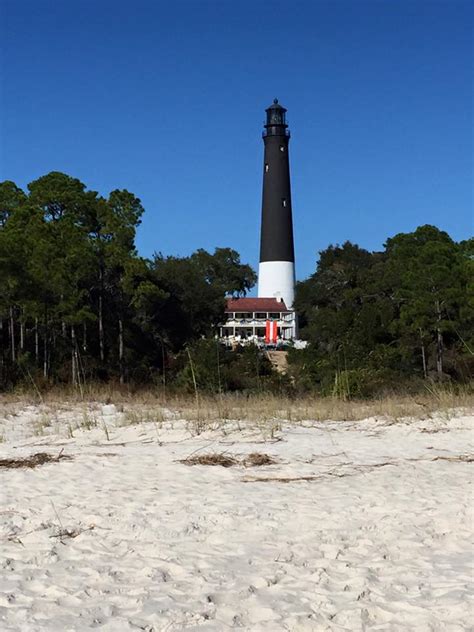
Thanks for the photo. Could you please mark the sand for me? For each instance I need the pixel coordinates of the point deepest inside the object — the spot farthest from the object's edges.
(361, 525)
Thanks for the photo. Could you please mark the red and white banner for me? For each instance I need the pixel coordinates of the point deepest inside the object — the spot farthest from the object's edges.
(271, 331)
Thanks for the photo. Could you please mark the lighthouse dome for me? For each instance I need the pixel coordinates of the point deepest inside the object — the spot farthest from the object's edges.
(275, 114)
(276, 106)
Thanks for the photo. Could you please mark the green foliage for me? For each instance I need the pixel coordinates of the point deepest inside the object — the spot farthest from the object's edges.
(11, 198)
(361, 383)
(218, 369)
(224, 271)
(373, 318)
(78, 303)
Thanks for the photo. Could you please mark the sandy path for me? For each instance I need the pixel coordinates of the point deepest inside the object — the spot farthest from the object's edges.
(378, 539)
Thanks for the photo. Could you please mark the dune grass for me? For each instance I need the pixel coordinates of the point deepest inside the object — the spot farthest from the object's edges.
(264, 410)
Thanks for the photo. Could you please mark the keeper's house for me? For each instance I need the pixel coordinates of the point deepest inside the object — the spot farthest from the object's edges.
(257, 320)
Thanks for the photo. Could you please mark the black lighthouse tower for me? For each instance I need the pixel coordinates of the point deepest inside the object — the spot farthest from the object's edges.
(276, 277)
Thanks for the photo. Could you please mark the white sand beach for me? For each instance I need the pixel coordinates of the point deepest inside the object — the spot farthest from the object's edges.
(359, 525)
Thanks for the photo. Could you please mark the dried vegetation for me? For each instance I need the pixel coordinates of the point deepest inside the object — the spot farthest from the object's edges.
(34, 460)
(231, 411)
(254, 459)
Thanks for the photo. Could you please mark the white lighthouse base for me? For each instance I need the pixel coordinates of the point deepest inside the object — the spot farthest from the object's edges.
(276, 279)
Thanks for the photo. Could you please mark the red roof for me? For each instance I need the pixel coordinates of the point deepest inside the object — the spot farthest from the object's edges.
(255, 305)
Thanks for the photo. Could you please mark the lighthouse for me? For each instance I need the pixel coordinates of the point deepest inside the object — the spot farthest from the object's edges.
(270, 319)
(276, 273)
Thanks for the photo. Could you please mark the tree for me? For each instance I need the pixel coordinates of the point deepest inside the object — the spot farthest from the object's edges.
(11, 198)
(400, 311)
(224, 268)
(426, 271)
(332, 302)
(68, 259)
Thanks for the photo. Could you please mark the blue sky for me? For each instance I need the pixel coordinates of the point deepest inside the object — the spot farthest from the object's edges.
(167, 100)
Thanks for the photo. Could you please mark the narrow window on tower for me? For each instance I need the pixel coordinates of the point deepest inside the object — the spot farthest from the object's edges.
(266, 167)
(282, 148)
(283, 201)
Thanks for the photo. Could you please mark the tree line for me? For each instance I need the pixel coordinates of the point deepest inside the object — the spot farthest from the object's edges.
(78, 304)
(375, 318)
